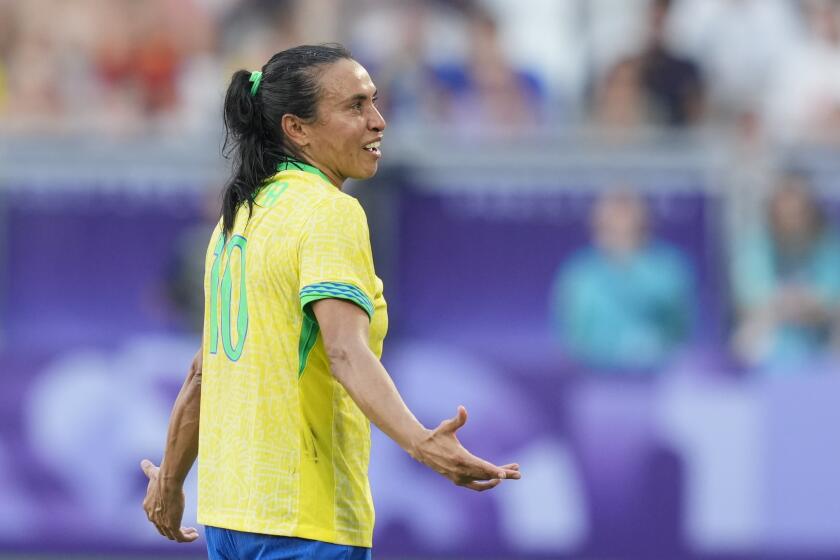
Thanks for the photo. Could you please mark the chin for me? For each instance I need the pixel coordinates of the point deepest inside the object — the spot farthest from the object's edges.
(367, 173)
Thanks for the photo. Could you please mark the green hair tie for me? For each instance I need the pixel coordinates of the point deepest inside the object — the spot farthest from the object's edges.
(256, 78)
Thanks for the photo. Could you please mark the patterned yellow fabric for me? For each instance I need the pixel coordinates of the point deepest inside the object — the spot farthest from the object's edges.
(283, 450)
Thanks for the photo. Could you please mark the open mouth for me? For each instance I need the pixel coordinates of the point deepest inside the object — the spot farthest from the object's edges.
(373, 148)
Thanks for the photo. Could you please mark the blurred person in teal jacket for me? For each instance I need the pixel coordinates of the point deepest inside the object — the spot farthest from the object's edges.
(786, 282)
(625, 302)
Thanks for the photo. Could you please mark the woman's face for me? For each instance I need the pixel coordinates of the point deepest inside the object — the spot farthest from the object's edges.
(792, 213)
(343, 142)
(620, 223)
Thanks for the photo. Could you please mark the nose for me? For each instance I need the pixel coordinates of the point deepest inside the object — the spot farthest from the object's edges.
(377, 121)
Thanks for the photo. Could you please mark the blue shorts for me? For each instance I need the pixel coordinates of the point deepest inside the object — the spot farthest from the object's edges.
(226, 544)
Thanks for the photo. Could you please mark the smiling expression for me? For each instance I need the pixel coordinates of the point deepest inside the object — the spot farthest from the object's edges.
(343, 141)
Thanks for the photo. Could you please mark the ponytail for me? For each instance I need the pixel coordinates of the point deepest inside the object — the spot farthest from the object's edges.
(253, 110)
(255, 155)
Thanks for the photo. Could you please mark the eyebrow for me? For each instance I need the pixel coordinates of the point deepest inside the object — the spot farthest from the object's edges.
(362, 97)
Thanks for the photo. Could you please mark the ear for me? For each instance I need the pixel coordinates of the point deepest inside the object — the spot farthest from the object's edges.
(294, 130)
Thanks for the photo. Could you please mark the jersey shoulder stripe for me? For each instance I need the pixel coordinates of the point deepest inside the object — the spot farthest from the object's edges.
(339, 290)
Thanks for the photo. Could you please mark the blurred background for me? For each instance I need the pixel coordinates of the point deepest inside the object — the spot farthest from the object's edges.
(609, 228)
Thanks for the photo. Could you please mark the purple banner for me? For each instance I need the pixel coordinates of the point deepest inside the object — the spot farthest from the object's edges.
(97, 325)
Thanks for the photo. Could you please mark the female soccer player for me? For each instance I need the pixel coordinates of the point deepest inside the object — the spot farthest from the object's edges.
(289, 375)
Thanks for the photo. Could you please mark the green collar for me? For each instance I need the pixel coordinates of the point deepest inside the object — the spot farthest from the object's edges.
(305, 167)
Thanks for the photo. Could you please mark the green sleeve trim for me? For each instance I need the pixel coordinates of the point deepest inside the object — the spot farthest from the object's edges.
(309, 328)
(337, 290)
(308, 335)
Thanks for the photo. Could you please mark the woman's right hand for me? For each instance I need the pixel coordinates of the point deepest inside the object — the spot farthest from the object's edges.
(441, 451)
(164, 506)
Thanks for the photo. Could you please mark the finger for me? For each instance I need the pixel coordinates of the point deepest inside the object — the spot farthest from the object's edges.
(164, 526)
(187, 534)
(455, 423)
(482, 486)
(169, 533)
(512, 471)
(479, 469)
(165, 530)
(513, 475)
(149, 468)
(461, 416)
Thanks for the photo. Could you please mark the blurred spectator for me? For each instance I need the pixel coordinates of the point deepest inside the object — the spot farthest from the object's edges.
(608, 35)
(738, 44)
(625, 302)
(661, 86)
(32, 62)
(803, 102)
(408, 92)
(112, 65)
(156, 62)
(674, 83)
(7, 41)
(786, 282)
(140, 55)
(486, 91)
(253, 30)
(3, 87)
(620, 100)
(123, 65)
(547, 40)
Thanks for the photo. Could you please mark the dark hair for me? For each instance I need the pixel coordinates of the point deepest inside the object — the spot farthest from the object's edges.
(253, 134)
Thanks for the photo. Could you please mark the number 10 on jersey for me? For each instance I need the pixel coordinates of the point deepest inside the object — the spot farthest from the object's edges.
(233, 276)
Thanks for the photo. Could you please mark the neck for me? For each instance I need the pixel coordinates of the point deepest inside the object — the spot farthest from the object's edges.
(335, 178)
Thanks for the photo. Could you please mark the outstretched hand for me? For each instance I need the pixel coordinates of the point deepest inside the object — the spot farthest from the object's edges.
(441, 451)
(164, 506)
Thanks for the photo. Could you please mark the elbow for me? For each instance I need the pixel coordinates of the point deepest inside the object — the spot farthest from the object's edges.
(194, 375)
(194, 378)
(338, 355)
(342, 355)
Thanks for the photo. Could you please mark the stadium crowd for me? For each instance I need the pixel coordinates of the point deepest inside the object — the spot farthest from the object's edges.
(763, 71)
(118, 65)
(644, 192)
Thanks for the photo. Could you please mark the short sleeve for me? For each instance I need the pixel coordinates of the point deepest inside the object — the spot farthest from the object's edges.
(335, 256)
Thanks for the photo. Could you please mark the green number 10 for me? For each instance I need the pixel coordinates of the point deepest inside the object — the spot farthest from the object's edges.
(233, 352)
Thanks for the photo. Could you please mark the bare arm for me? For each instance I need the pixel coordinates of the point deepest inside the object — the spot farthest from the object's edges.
(182, 435)
(344, 327)
(164, 502)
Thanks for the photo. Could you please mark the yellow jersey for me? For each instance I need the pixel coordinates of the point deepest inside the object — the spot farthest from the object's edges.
(283, 449)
